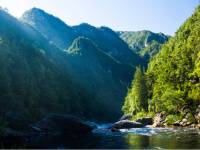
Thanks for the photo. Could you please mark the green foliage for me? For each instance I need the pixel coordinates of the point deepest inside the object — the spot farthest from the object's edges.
(168, 101)
(136, 100)
(170, 119)
(195, 81)
(37, 78)
(190, 118)
(173, 75)
(142, 114)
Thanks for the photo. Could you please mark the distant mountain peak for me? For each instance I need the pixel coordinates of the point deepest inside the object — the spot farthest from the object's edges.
(85, 25)
(32, 13)
(35, 9)
(35, 13)
(57, 32)
(51, 27)
(144, 42)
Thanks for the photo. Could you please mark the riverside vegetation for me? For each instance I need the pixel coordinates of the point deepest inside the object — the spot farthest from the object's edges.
(171, 84)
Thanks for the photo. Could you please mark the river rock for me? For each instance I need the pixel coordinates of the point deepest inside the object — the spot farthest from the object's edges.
(145, 121)
(126, 124)
(125, 117)
(177, 123)
(184, 120)
(63, 124)
(158, 120)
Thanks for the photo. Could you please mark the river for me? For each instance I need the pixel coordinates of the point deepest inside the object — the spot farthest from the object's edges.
(137, 138)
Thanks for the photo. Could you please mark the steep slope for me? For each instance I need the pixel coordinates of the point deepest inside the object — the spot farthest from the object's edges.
(62, 35)
(144, 42)
(173, 78)
(175, 66)
(51, 27)
(109, 42)
(98, 58)
(32, 82)
(104, 78)
(37, 78)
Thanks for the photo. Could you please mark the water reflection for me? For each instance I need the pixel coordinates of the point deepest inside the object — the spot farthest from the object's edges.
(167, 139)
(137, 141)
(143, 138)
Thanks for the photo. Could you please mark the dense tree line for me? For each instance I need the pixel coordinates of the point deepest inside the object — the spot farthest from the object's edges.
(173, 75)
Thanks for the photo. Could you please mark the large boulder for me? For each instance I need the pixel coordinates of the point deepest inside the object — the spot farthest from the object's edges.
(145, 121)
(63, 124)
(126, 117)
(126, 124)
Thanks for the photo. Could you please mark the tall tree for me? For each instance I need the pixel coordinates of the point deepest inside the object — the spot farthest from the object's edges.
(136, 100)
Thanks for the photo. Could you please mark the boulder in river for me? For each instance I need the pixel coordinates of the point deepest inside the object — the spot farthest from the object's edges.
(126, 117)
(63, 124)
(145, 121)
(126, 124)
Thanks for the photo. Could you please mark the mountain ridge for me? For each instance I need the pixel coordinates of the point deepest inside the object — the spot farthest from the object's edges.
(95, 69)
(104, 37)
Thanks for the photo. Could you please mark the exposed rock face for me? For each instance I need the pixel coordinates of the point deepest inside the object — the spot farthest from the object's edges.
(187, 120)
(145, 121)
(190, 119)
(63, 124)
(158, 120)
(126, 124)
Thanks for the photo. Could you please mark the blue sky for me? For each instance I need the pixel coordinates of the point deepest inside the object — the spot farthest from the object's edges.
(155, 15)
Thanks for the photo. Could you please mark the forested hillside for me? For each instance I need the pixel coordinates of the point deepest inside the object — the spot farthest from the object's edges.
(50, 67)
(98, 59)
(172, 78)
(63, 35)
(145, 43)
(37, 78)
(32, 81)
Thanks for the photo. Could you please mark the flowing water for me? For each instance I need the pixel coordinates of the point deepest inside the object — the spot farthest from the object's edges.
(139, 138)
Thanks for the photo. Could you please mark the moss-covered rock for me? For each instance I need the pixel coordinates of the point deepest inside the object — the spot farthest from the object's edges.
(172, 119)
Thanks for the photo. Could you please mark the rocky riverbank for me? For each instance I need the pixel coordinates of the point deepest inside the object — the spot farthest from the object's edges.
(187, 119)
(73, 127)
(156, 122)
(50, 126)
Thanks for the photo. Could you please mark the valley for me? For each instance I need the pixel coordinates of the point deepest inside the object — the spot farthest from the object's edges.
(82, 86)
